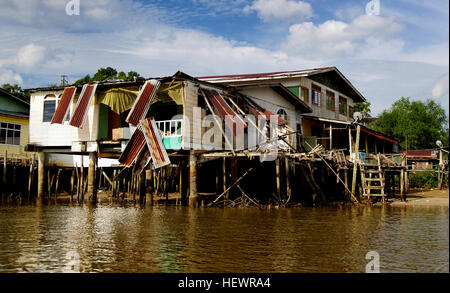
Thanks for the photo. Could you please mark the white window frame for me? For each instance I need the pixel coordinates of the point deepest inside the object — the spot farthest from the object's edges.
(9, 129)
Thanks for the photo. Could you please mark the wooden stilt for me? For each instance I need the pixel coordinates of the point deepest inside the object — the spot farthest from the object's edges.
(277, 174)
(356, 158)
(193, 197)
(41, 175)
(92, 186)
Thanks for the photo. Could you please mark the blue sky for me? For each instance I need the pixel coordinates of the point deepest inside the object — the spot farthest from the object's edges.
(403, 51)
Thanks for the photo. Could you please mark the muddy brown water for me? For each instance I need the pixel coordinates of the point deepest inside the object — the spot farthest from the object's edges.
(131, 238)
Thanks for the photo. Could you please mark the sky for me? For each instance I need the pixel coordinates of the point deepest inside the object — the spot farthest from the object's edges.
(401, 49)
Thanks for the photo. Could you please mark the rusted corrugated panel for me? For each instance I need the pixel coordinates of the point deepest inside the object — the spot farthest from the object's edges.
(142, 161)
(143, 101)
(84, 101)
(64, 105)
(154, 142)
(224, 110)
(260, 111)
(133, 148)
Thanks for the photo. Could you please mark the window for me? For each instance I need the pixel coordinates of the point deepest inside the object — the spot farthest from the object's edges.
(342, 105)
(49, 107)
(10, 133)
(50, 103)
(305, 94)
(331, 101)
(282, 114)
(350, 111)
(316, 95)
(294, 90)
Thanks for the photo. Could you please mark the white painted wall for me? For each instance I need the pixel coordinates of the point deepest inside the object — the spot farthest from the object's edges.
(46, 134)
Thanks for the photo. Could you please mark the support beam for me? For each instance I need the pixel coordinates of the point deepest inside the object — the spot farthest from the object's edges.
(193, 197)
(92, 187)
(356, 158)
(41, 175)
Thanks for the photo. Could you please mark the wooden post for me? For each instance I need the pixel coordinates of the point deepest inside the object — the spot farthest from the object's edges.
(347, 195)
(142, 188)
(288, 186)
(5, 159)
(193, 179)
(92, 187)
(41, 175)
(234, 174)
(277, 172)
(350, 145)
(72, 180)
(224, 174)
(402, 180)
(57, 182)
(355, 162)
(367, 144)
(30, 177)
(331, 137)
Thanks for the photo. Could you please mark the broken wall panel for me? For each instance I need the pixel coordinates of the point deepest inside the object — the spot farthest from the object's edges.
(154, 142)
(133, 148)
(224, 110)
(81, 108)
(63, 105)
(143, 102)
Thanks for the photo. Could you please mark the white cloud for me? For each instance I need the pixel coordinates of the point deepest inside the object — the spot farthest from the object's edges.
(337, 38)
(8, 76)
(29, 56)
(281, 10)
(440, 88)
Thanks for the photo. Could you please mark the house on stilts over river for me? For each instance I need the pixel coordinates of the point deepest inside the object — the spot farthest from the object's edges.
(272, 138)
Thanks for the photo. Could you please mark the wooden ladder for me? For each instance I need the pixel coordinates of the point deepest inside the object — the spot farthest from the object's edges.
(372, 178)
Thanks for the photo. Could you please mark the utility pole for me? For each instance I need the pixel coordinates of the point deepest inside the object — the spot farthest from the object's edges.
(64, 80)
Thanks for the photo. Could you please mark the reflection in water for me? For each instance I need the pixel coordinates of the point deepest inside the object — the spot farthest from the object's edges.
(117, 238)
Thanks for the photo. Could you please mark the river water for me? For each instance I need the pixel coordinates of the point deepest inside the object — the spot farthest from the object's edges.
(128, 238)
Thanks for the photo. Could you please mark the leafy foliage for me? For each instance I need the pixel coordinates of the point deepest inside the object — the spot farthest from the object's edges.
(107, 73)
(363, 107)
(17, 91)
(423, 179)
(417, 123)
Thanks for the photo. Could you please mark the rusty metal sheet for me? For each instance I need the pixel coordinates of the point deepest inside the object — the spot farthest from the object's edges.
(224, 110)
(81, 108)
(142, 161)
(133, 148)
(64, 105)
(154, 142)
(143, 102)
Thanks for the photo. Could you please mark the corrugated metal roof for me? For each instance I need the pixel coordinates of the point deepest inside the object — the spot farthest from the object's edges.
(143, 101)
(429, 154)
(64, 105)
(224, 110)
(154, 143)
(81, 108)
(133, 148)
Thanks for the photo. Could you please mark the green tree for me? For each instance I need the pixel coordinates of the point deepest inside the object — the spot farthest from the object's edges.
(132, 75)
(105, 74)
(363, 107)
(121, 75)
(417, 123)
(17, 91)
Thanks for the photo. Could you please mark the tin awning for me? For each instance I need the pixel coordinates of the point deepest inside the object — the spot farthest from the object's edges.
(260, 111)
(84, 101)
(133, 148)
(154, 142)
(64, 105)
(143, 102)
(224, 110)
